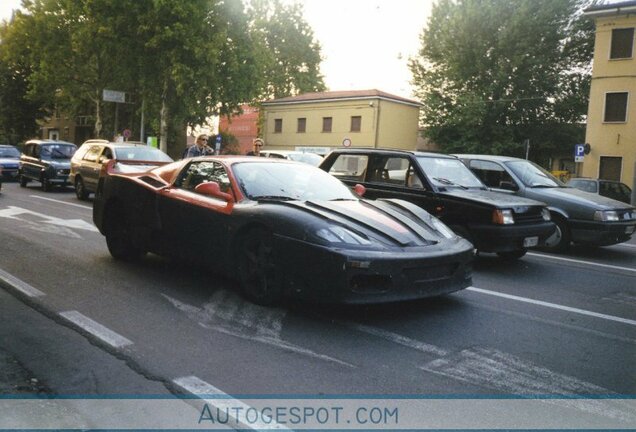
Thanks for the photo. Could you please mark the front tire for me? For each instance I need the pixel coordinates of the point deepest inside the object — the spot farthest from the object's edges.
(256, 270)
(512, 255)
(23, 181)
(46, 184)
(560, 240)
(80, 189)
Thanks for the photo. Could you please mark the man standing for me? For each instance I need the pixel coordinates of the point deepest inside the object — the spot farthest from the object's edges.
(200, 148)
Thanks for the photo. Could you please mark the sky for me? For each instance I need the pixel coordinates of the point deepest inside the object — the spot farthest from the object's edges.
(365, 43)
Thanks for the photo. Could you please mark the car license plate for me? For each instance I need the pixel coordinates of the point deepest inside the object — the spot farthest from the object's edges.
(530, 241)
(630, 229)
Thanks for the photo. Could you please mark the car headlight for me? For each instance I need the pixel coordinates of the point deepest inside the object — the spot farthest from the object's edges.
(60, 172)
(545, 214)
(338, 234)
(502, 217)
(606, 216)
(442, 228)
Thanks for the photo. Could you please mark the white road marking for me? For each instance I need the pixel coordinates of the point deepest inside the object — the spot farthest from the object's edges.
(96, 329)
(13, 212)
(554, 306)
(397, 339)
(61, 202)
(590, 263)
(229, 314)
(508, 374)
(223, 402)
(20, 285)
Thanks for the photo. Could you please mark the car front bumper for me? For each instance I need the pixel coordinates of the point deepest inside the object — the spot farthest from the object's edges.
(508, 238)
(601, 233)
(325, 274)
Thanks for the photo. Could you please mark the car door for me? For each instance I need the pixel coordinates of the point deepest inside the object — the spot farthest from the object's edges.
(90, 167)
(195, 225)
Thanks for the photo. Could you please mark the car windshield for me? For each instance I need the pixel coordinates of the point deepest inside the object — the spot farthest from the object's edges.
(289, 181)
(447, 172)
(533, 175)
(141, 154)
(9, 153)
(57, 151)
(310, 158)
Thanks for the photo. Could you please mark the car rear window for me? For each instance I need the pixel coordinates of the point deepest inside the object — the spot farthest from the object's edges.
(141, 154)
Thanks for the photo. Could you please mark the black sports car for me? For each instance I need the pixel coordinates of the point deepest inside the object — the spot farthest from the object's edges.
(281, 229)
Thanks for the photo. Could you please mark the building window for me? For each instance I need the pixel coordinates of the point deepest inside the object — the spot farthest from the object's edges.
(302, 125)
(622, 43)
(356, 121)
(278, 125)
(610, 168)
(615, 107)
(326, 124)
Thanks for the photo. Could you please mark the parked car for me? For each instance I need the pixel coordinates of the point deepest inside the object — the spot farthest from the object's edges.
(444, 187)
(89, 162)
(9, 162)
(310, 158)
(46, 161)
(607, 188)
(282, 229)
(581, 217)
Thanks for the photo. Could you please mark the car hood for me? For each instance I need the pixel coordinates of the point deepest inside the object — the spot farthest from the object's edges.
(491, 198)
(9, 161)
(60, 163)
(395, 221)
(576, 197)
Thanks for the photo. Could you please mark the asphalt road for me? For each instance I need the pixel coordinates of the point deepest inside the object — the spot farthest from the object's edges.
(547, 324)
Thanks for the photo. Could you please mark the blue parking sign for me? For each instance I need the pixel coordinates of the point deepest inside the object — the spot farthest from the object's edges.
(579, 150)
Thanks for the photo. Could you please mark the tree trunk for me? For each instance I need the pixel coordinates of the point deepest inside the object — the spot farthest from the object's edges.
(98, 116)
(163, 128)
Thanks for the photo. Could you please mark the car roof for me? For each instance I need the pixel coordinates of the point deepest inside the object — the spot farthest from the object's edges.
(7, 145)
(487, 157)
(392, 151)
(115, 144)
(48, 141)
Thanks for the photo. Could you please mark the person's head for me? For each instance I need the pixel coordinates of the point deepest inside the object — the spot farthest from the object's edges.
(202, 140)
(258, 145)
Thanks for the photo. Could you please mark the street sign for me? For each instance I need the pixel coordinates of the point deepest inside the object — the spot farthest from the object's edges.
(346, 142)
(579, 152)
(114, 96)
(218, 144)
(127, 133)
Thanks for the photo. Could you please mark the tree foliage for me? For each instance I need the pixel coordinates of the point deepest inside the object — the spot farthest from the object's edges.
(185, 59)
(491, 73)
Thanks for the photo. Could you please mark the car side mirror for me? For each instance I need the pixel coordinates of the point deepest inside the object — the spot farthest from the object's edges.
(213, 190)
(359, 190)
(508, 185)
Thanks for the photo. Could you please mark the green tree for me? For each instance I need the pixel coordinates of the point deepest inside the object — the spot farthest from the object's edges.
(491, 73)
(289, 56)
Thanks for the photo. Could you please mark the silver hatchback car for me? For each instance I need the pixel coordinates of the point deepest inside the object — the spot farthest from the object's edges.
(89, 162)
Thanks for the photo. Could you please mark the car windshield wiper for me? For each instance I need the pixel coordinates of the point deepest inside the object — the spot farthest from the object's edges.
(343, 199)
(448, 182)
(274, 198)
(542, 186)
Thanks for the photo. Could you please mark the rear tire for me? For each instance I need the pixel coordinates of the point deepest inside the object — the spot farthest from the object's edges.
(256, 270)
(119, 238)
(80, 189)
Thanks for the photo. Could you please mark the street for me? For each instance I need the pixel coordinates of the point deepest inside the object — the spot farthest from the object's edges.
(544, 325)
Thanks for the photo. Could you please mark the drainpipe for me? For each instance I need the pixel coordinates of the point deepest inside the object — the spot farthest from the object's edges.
(377, 125)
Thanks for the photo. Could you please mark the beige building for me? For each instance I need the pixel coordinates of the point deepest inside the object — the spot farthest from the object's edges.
(611, 122)
(322, 121)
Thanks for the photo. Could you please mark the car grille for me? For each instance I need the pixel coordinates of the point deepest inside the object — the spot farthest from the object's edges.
(531, 216)
(430, 273)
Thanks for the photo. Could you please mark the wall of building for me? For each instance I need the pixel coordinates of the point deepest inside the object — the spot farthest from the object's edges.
(611, 139)
(398, 126)
(383, 124)
(244, 127)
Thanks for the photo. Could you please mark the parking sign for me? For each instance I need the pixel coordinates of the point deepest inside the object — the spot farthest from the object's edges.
(579, 152)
